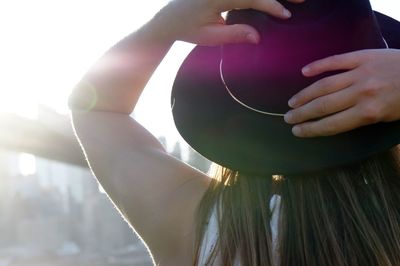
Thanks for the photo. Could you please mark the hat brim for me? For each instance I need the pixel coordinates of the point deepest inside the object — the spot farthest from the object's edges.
(231, 135)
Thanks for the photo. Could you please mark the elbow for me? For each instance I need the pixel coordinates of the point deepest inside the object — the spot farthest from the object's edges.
(83, 97)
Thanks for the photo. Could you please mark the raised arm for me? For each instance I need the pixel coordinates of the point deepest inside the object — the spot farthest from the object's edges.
(156, 193)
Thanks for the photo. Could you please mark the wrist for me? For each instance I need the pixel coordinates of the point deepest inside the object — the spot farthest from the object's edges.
(163, 25)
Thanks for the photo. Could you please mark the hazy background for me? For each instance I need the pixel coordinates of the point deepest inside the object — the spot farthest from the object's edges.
(52, 211)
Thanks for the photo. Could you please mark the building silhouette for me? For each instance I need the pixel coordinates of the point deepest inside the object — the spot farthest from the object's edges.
(58, 215)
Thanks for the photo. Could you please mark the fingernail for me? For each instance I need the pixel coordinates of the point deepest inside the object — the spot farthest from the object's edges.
(305, 70)
(288, 117)
(292, 102)
(296, 131)
(286, 13)
(252, 38)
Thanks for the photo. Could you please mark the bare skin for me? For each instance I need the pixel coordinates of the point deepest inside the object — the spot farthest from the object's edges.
(156, 193)
(367, 92)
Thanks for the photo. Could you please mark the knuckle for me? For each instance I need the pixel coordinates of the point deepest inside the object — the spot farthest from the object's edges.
(300, 115)
(371, 87)
(371, 113)
(367, 55)
(368, 70)
(322, 107)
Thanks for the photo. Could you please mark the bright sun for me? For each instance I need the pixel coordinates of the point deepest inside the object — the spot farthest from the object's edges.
(47, 46)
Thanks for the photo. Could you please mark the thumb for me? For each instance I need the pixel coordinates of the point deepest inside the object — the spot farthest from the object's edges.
(221, 34)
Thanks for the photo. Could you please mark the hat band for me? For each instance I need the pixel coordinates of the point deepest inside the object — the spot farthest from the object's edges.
(249, 107)
(239, 101)
(387, 45)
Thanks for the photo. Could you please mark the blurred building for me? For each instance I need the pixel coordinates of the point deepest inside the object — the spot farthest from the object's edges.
(54, 213)
(59, 214)
(198, 161)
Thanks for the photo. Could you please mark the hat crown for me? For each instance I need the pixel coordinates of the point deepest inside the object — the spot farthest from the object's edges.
(309, 11)
(264, 77)
(213, 123)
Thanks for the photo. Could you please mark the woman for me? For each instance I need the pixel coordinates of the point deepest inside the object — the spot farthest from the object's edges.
(159, 195)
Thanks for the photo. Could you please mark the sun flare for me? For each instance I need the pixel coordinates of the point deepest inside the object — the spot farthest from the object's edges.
(48, 45)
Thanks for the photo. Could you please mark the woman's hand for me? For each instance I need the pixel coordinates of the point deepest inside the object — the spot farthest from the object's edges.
(369, 92)
(201, 22)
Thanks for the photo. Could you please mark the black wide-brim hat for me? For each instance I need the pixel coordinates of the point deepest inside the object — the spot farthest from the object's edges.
(228, 102)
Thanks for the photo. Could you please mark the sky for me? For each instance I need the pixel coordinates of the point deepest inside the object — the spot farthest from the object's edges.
(47, 45)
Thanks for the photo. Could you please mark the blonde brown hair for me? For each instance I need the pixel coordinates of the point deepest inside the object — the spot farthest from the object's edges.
(343, 216)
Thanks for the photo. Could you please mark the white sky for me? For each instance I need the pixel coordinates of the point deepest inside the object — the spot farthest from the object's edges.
(46, 46)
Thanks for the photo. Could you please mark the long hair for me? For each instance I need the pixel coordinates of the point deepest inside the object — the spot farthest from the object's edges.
(348, 215)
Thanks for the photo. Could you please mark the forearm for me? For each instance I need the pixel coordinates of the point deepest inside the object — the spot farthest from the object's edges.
(117, 79)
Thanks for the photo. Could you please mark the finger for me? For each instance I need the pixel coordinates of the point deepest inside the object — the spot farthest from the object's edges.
(322, 87)
(332, 63)
(323, 106)
(221, 34)
(331, 125)
(271, 7)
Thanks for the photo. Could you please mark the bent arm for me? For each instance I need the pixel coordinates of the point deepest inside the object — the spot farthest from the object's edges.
(156, 193)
